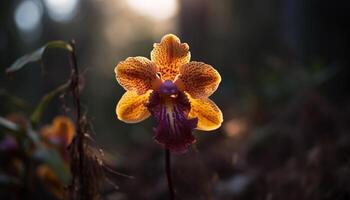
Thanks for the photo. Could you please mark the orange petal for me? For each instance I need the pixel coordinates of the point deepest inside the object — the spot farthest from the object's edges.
(169, 55)
(47, 131)
(64, 128)
(198, 79)
(50, 180)
(208, 113)
(131, 107)
(45, 172)
(136, 74)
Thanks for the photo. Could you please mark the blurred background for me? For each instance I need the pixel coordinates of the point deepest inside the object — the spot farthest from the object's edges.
(284, 91)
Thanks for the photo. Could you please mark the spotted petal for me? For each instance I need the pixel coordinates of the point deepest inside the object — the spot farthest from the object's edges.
(174, 130)
(136, 74)
(208, 113)
(198, 79)
(131, 107)
(169, 55)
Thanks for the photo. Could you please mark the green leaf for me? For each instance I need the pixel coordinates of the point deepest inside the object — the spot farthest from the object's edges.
(8, 125)
(44, 102)
(50, 157)
(9, 101)
(34, 137)
(55, 162)
(36, 55)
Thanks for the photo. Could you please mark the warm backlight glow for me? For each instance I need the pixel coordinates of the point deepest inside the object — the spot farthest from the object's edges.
(154, 9)
(61, 10)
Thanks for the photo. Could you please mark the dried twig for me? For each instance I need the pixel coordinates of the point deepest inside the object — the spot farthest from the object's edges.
(86, 170)
(168, 174)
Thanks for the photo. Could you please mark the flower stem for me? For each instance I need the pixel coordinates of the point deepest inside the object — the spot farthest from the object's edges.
(78, 189)
(168, 174)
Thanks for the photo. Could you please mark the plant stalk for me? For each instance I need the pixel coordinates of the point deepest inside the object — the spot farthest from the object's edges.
(78, 177)
(168, 174)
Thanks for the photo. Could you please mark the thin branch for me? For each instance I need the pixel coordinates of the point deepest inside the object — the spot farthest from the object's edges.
(168, 174)
(78, 177)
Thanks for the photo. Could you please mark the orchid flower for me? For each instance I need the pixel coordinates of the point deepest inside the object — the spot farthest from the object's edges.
(173, 90)
(60, 133)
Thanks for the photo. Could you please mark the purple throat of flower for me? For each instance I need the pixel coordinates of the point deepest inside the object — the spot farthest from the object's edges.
(170, 108)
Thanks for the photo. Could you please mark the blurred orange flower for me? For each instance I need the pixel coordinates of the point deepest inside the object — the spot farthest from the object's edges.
(51, 180)
(172, 89)
(60, 133)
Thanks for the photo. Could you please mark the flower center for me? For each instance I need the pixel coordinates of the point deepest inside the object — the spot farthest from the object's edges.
(168, 88)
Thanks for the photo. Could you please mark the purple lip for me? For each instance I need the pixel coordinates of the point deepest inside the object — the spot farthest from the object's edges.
(168, 88)
(174, 130)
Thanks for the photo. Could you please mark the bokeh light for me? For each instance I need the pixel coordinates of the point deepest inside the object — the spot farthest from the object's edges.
(157, 10)
(235, 127)
(28, 16)
(61, 10)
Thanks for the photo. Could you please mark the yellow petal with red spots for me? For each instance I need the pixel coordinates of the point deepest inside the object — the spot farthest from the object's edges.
(169, 55)
(208, 113)
(198, 79)
(136, 74)
(131, 107)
